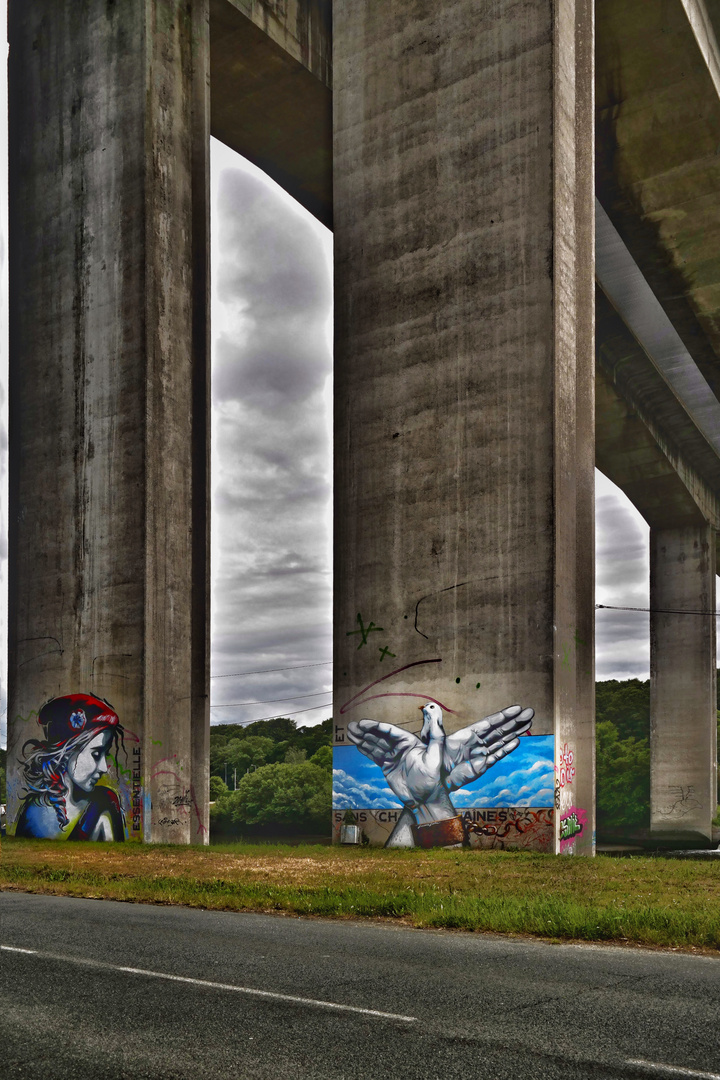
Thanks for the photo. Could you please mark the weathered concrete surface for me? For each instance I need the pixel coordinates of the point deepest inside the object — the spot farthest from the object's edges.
(658, 178)
(464, 385)
(108, 383)
(271, 81)
(643, 440)
(658, 171)
(682, 685)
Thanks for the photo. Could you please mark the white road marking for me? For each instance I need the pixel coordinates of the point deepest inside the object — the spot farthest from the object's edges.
(676, 1070)
(249, 990)
(269, 994)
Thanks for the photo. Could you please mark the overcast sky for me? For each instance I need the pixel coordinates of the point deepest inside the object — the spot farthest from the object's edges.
(272, 448)
(271, 526)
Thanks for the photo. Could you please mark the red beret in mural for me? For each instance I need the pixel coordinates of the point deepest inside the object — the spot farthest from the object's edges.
(63, 717)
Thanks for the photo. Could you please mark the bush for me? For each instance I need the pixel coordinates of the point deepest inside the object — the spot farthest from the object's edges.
(240, 755)
(297, 795)
(623, 780)
(218, 788)
(323, 758)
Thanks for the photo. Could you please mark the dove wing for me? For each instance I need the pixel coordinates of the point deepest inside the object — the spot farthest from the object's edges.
(468, 753)
(385, 744)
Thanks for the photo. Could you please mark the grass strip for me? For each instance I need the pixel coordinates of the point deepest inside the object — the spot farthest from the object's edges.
(649, 901)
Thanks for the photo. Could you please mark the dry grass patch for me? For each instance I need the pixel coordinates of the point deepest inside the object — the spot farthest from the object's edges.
(644, 900)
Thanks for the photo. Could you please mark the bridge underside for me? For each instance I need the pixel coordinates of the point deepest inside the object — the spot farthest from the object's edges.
(469, 412)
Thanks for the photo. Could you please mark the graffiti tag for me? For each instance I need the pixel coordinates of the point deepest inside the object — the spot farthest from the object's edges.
(570, 826)
(136, 789)
(566, 770)
(685, 801)
(364, 630)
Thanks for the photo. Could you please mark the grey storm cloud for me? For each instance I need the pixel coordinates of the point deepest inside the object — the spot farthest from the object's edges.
(622, 638)
(272, 595)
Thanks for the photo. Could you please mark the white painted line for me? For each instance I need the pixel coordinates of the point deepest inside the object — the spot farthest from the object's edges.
(675, 1070)
(249, 990)
(269, 994)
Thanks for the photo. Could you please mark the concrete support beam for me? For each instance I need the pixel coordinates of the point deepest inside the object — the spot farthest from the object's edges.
(271, 92)
(109, 132)
(683, 730)
(464, 371)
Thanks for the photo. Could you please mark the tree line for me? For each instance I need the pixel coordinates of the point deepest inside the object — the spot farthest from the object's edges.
(270, 777)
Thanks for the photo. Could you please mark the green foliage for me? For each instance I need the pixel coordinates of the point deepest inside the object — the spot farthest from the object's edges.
(241, 755)
(264, 743)
(298, 795)
(626, 705)
(294, 755)
(323, 758)
(623, 779)
(623, 753)
(218, 788)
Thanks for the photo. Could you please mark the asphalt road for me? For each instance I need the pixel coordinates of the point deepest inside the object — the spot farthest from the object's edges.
(216, 995)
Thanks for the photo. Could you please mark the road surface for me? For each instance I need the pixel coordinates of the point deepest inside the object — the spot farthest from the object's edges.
(91, 989)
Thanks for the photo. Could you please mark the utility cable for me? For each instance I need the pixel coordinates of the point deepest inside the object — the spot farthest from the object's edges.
(263, 671)
(271, 701)
(655, 610)
(328, 704)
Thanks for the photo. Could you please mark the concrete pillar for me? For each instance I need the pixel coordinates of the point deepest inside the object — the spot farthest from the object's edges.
(683, 729)
(464, 445)
(108, 389)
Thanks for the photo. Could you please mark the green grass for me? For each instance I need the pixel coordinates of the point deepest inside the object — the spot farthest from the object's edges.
(649, 901)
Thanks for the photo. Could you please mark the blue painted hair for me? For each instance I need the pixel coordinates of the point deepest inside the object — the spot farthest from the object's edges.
(45, 766)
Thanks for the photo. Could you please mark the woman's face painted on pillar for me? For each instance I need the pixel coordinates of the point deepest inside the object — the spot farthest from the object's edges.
(87, 766)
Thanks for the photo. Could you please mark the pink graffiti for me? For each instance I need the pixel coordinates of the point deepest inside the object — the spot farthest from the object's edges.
(566, 771)
(353, 702)
(572, 825)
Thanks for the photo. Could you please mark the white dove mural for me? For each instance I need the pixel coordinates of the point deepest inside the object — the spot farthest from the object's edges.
(423, 770)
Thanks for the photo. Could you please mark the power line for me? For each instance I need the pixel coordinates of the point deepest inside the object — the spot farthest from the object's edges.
(271, 701)
(264, 671)
(257, 720)
(656, 610)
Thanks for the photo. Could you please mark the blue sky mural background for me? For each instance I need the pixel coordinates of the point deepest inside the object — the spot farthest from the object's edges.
(525, 778)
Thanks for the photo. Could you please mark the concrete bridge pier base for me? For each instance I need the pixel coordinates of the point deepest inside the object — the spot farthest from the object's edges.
(464, 262)
(108, 557)
(683, 729)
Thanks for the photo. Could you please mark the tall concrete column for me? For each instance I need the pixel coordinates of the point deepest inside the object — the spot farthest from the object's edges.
(464, 441)
(108, 388)
(683, 728)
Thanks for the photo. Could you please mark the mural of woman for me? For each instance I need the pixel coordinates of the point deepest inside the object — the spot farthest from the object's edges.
(65, 797)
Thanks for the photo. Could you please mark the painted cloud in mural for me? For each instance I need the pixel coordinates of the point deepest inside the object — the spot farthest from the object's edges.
(63, 773)
(527, 779)
(423, 770)
(358, 782)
